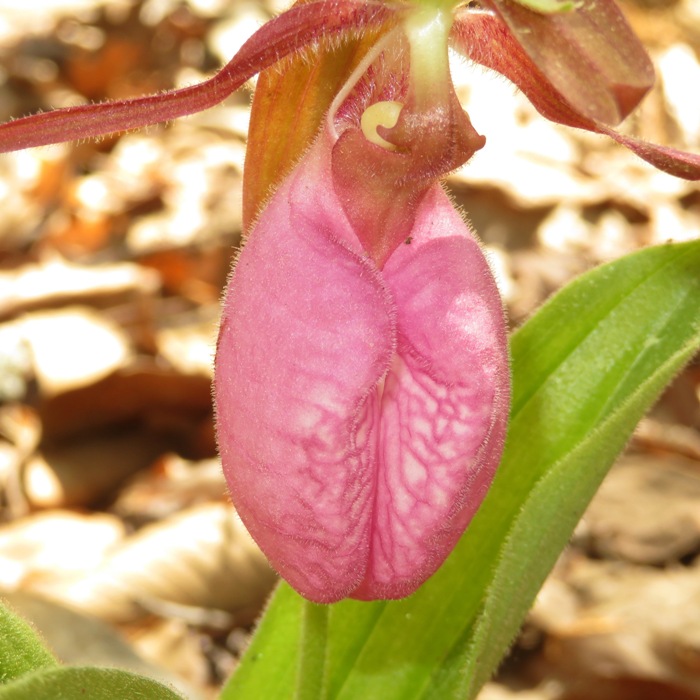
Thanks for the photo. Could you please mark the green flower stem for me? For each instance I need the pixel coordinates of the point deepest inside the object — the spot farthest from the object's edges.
(312, 653)
(427, 29)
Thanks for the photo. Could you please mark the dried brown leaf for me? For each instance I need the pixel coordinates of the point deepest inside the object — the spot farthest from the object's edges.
(42, 547)
(56, 282)
(145, 392)
(72, 347)
(647, 511)
(635, 623)
(86, 469)
(200, 564)
(172, 484)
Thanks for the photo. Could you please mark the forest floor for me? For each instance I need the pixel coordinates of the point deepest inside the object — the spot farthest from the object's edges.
(116, 536)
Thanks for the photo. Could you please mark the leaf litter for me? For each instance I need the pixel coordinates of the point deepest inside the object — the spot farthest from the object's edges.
(113, 256)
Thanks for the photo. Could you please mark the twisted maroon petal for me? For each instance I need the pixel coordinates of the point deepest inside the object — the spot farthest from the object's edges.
(291, 31)
(589, 55)
(487, 40)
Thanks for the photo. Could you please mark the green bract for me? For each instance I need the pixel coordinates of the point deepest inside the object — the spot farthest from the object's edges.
(21, 649)
(71, 683)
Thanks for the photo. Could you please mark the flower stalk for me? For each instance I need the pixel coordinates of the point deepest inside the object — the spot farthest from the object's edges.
(427, 29)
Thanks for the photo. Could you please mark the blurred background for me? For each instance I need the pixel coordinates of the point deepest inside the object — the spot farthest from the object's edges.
(116, 537)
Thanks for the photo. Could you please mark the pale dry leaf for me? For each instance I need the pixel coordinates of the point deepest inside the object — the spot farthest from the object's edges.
(145, 392)
(537, 274)
(20, 426)
(231, 120)
(556, 605)
(56, 282)
(20, 178)
(565, 230)
(497, 691)
(52, 546)
(73, 347)
(189, 345)
(634, 622)
(202, 558)
(20, 433)
(130, 174)
(81, 471)
(611, 235)
(500, 264)
(229, 35)
(647, 511)
(34, 17)
(15, 363)
(171, 485)
(670, 222)
(200, 178)
(174, 645)
(688, 14)
(679, 68)
(533, 161)
(675, 438)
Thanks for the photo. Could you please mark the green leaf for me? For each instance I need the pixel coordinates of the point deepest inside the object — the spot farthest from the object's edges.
(21, 648)
(629, 327)
(585, 369)
(69, 683)
(270, 666)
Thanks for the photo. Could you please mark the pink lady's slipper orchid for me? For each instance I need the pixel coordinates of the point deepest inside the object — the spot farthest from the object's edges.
(361, 375)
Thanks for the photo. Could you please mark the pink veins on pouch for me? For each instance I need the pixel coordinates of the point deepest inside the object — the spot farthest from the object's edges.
(361, 412)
